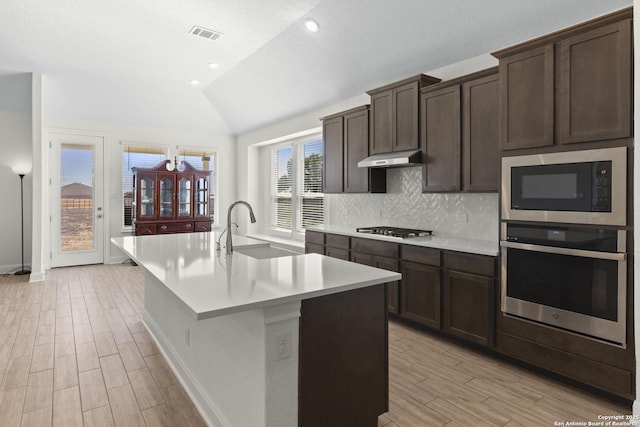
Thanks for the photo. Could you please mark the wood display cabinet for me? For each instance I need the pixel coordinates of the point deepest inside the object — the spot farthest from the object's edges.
(568, 87)
(167, 202)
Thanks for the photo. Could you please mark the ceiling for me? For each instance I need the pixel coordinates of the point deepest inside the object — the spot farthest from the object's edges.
(131, 61)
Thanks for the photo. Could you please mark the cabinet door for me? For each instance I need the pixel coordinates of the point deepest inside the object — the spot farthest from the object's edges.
(146, 197)
(420, 294)
(332, 133)
(468, 306)
(440, 113)
(184, 196)
(595, 84)
(338, 253)
(356, 148)
(381, 123)
(166, 196)
(201, 197)
(480, 136)
(526, 99)
(405, 117)
(393, 288)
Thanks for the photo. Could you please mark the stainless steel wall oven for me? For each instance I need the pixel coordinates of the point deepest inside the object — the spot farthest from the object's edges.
(570, 277)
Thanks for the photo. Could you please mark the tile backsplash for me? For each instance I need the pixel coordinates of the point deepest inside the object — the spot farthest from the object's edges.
(465, 215)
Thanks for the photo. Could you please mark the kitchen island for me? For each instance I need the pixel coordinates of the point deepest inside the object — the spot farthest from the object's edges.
(260, 341)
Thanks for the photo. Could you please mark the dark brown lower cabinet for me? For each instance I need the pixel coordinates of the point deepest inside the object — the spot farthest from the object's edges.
(385, 263)
(468, 306)
(420, 293)
(343, 372)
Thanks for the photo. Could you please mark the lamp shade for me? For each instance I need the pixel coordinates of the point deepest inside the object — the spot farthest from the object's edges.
(21, 169)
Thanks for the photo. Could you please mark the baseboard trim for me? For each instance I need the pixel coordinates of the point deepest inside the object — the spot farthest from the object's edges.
(203, 404)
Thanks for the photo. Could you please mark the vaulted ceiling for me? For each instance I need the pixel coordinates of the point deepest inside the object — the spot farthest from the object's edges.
(132, 61)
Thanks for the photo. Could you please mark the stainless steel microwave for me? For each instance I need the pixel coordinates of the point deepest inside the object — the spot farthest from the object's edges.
(579, 187)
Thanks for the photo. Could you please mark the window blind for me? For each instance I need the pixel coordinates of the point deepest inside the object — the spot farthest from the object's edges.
(282, 187)
(312, 198)
(141, 157)
(296, 185)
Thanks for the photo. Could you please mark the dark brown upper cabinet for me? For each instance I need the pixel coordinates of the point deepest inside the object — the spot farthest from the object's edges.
(346, 142)
(595, 84)
(333, 137)
(395, 115)
(459, 134)
(480, 135)
(568, 87)
(526, 99)
(440, 139)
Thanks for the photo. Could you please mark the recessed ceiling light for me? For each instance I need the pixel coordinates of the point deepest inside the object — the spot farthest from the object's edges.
(312, 25)
(213, 65)
(194, 82)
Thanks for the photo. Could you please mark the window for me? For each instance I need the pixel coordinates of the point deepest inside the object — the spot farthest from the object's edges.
(203, 159)
(141, 157)
(296, 187)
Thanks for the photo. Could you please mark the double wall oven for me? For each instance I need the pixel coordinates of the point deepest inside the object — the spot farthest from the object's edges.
(563, 241)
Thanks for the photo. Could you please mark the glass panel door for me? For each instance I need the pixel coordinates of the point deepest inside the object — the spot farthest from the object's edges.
(184, 196)
(147, 196)
(77, 225)
(166, 196)
(202, 195)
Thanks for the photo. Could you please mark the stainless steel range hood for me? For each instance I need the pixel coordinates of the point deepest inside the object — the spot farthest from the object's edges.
(393, 159)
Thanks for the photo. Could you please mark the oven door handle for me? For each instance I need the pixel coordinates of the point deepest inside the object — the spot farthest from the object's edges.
(616, 256)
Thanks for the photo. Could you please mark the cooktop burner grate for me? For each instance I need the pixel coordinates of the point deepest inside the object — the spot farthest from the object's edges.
(394, 231)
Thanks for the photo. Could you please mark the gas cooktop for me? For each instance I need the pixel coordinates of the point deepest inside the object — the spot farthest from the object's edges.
(394, 231)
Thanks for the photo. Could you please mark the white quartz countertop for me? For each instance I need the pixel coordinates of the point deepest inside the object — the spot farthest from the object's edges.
(211, 285)
(480, 247)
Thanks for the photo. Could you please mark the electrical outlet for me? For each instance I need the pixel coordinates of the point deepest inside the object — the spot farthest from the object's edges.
(283, 346)
(187, 337)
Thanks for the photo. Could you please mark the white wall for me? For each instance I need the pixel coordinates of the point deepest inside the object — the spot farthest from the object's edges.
(250, 170)
(116, 132)
(16, 145)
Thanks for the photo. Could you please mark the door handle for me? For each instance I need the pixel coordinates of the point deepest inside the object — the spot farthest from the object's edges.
(99, 215)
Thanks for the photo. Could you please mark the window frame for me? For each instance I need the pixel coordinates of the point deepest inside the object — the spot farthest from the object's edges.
(123, 150)
(297, 194)
(213, 177)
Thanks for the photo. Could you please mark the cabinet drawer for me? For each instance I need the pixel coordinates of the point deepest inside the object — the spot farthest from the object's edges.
(375, 247)
(203, 226)
(337, 241)
(421, 255)
(145, 229)
(477, 264)
(314, 237)
(175, 227)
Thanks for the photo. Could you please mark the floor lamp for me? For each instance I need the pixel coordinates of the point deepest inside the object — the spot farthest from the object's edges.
(21, 172)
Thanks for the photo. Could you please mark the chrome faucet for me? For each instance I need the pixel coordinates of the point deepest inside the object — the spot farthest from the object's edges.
(251, 215)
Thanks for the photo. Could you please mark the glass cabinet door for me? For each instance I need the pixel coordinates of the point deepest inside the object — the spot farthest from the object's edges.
(147, 196)
(184, 196)
(166, 196)
(202, 196)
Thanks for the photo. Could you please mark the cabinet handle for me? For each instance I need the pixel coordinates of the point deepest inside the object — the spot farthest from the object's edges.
(188, 225)
(163, 227)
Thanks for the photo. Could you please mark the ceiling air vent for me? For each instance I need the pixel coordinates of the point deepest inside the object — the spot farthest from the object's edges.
(205, 32)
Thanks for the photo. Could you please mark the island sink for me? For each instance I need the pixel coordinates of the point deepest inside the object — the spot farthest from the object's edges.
(265, 252)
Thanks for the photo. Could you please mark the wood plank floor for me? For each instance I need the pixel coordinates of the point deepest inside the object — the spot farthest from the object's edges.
(74, 352)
